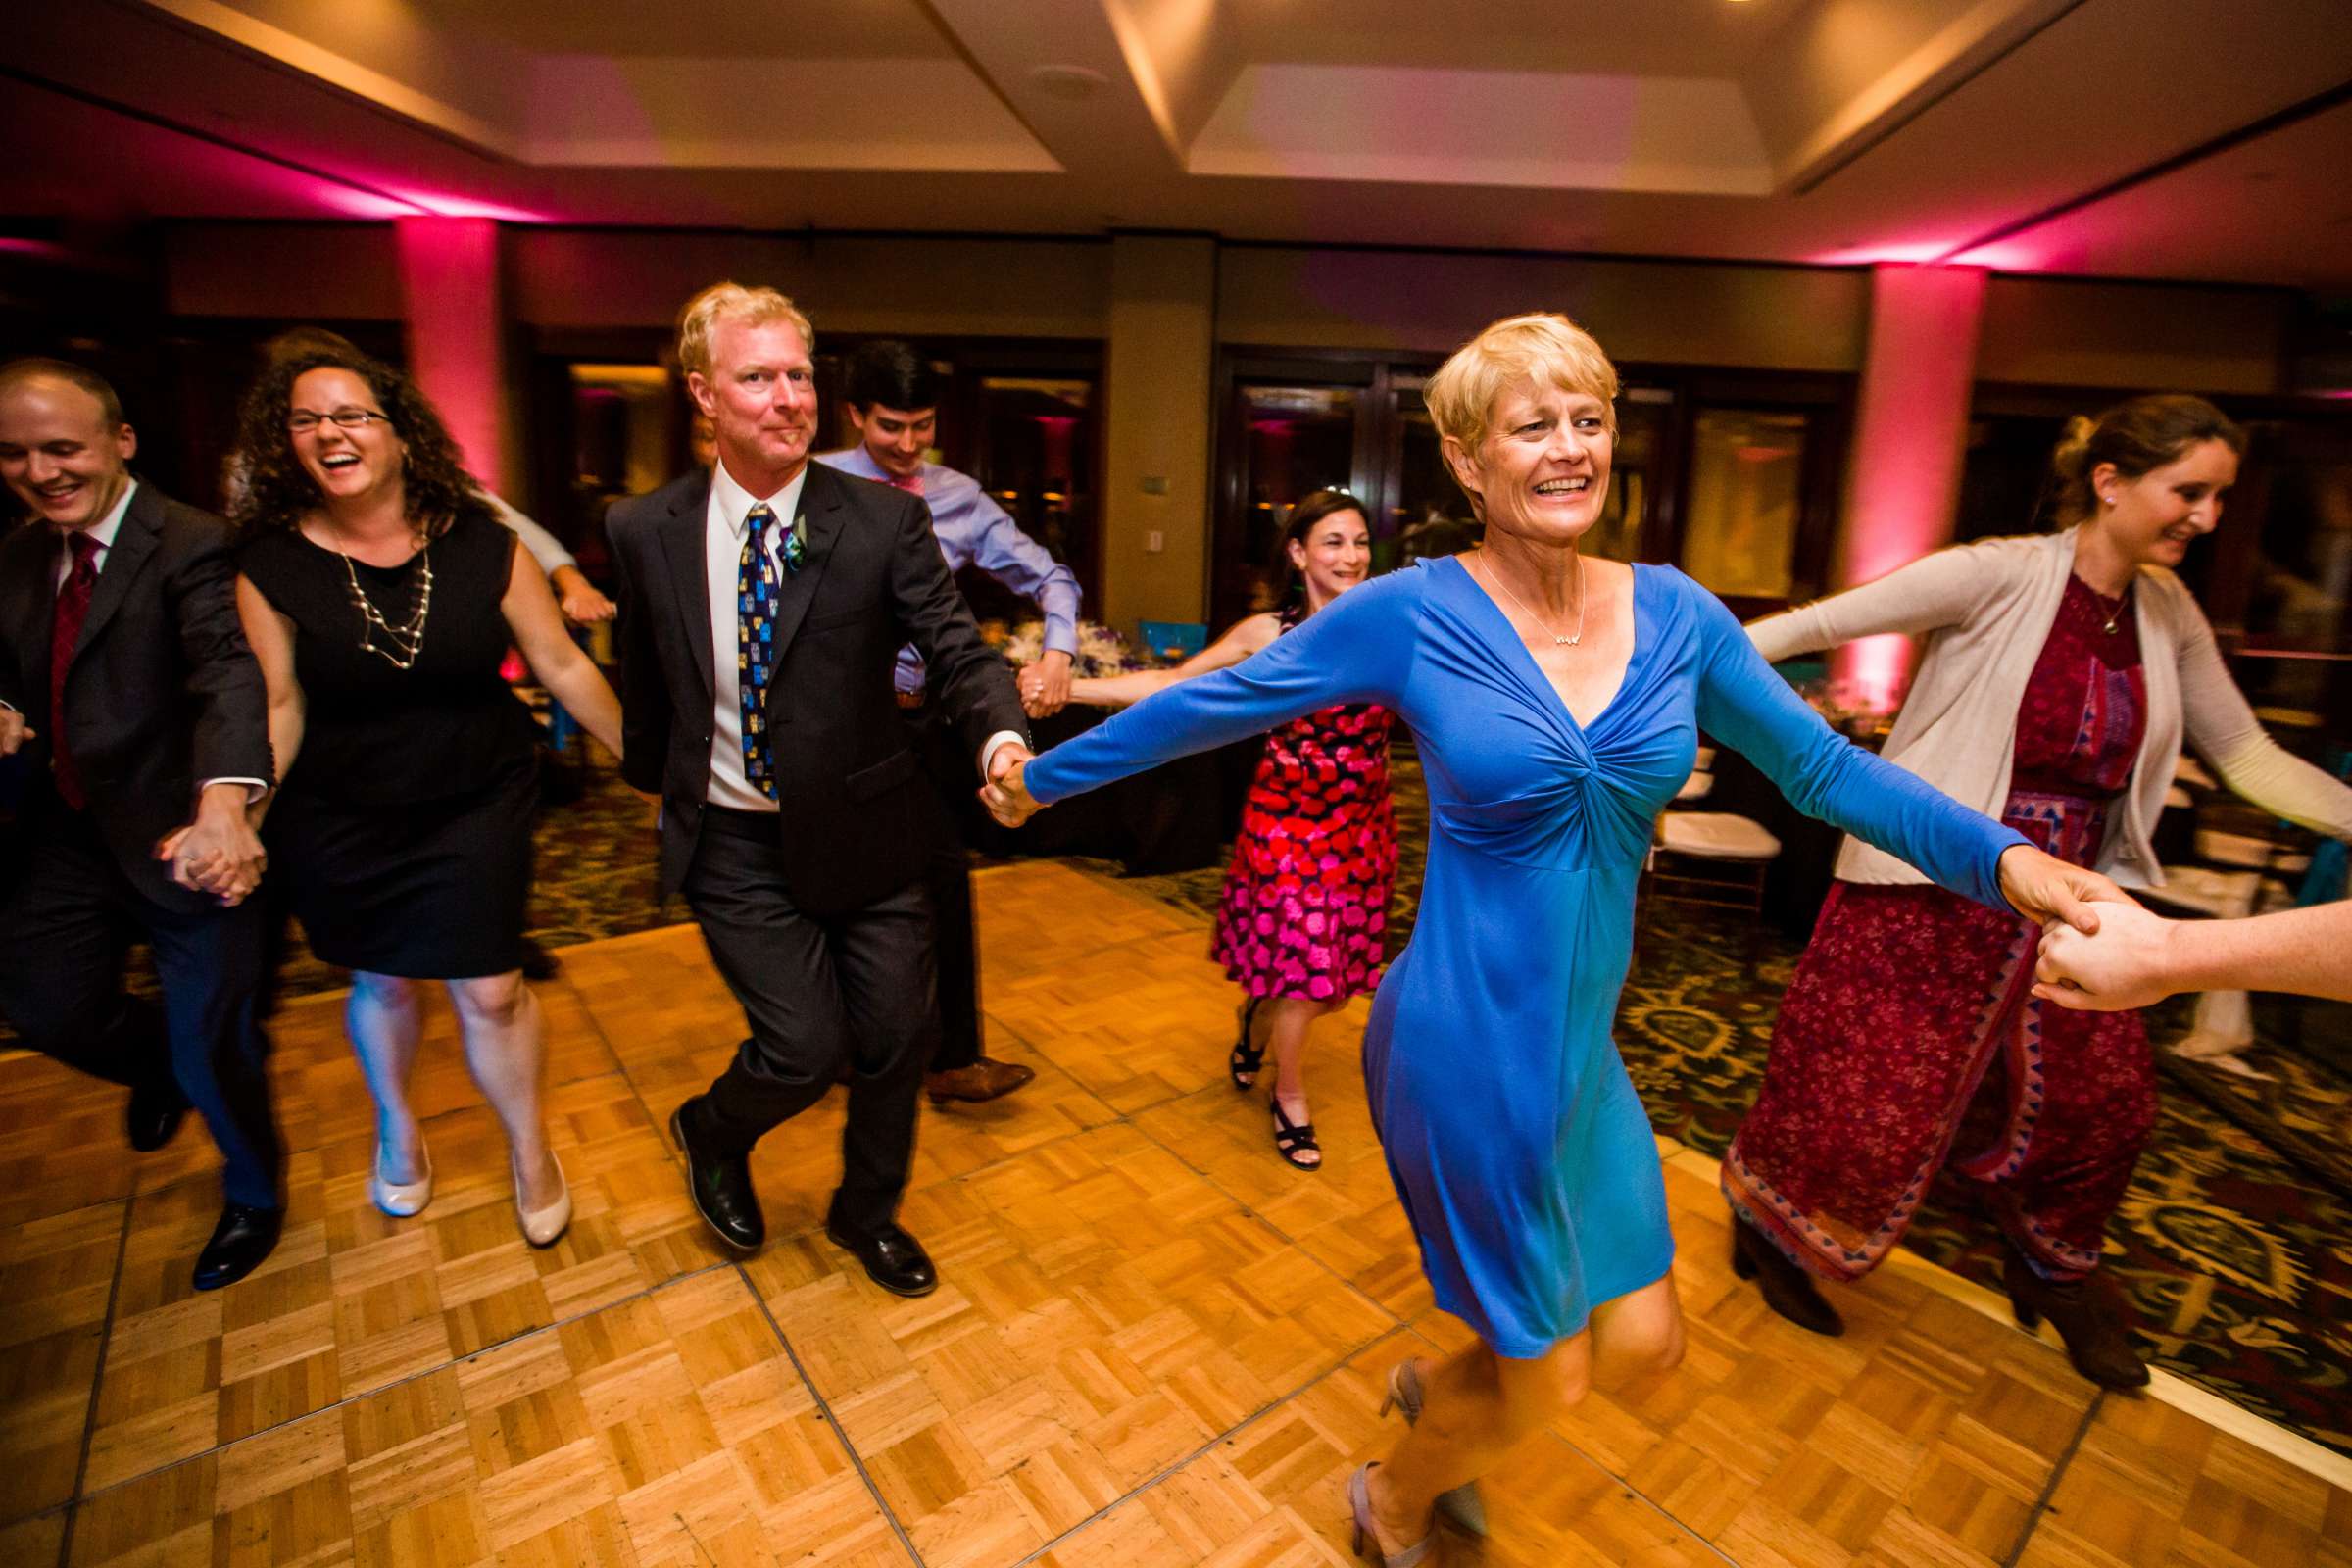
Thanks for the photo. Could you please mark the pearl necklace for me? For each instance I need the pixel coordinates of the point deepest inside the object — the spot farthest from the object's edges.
(409, 638)
(1557, 641)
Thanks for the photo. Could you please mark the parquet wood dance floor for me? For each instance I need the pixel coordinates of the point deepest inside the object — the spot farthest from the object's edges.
(1154, 1344)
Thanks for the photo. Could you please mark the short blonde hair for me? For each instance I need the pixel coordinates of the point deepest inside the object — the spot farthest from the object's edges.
(1543, 347)
(733, 302)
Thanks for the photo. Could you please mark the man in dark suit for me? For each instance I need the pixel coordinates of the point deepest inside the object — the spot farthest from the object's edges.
(125, 679)
(763, 602)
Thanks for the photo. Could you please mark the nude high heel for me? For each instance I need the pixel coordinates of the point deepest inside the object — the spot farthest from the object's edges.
(401, 1200)
(1463, 1504)
(543, 1227)
(1367, 1538)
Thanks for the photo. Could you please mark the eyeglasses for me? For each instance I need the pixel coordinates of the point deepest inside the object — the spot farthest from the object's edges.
(302, 420)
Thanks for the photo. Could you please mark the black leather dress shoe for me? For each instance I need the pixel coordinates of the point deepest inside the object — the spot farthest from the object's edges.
(720, 1186)
(156, 1107)
(243, 1238)
(892, 1259)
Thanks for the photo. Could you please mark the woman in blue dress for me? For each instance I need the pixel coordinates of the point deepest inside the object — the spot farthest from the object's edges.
(1557, 702)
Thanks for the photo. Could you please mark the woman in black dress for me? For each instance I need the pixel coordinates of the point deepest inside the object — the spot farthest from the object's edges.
(380, 594)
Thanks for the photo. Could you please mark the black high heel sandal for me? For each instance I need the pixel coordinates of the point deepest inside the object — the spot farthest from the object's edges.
(1242, 1066)
(1294, 1138)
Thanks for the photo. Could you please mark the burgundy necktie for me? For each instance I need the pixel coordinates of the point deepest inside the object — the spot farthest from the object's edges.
(911, 483)
(72, 608)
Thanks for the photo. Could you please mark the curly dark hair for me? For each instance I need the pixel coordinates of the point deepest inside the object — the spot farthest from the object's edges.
(277, 490)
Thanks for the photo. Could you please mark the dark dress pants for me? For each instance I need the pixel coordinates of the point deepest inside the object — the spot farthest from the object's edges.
(948, 875)
(66, 918)
(818, 990)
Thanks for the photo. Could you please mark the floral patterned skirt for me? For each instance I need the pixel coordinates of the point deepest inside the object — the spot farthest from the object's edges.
(1909, 1043)
(1306, 909)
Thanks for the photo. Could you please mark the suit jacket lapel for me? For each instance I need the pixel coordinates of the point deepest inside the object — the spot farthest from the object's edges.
(685, 544)
(134, 543)
(823, 504)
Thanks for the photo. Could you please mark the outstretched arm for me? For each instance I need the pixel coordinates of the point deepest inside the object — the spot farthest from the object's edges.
(2224, 728)
(2137, 958)
(1746, 704)
(1358, 649)
(1242, 639)
(1937, 590)
(570, 676)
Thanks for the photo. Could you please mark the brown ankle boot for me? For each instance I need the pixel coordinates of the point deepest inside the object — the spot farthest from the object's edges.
(1788, 1289)
(2089, 1315)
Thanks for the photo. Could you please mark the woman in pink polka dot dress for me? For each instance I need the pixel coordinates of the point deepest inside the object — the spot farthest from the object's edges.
(1302, 921)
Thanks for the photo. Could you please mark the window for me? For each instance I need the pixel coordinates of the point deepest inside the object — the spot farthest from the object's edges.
(1733, 475)
(1747, 470)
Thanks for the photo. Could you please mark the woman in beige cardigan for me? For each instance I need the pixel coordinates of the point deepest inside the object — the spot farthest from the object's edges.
(2057, 678)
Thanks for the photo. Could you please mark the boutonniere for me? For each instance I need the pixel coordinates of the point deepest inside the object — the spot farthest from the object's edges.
(796, 544)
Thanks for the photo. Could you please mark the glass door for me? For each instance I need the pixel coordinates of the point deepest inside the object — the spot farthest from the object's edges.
(1284, 437)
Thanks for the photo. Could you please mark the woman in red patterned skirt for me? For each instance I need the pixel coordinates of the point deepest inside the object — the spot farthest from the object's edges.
(2059, 676)
(1303, 922)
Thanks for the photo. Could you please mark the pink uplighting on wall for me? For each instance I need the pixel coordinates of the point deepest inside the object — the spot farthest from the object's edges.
(449, 279)
(1909, 431)
(1892, 253)
(445, 204)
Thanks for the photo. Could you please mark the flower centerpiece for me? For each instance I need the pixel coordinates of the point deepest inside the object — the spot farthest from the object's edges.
(1100, 651)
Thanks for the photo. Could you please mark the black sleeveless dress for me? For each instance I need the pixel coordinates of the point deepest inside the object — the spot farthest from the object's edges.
(402, 836)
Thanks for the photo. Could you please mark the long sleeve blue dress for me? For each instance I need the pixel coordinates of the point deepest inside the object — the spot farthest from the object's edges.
(1517, 1144)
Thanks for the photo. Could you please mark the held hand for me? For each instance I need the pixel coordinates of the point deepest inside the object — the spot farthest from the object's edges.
(2044, 888)
(14, 731)
(219, 853)
(2124, 966)
(1046, 685)
(1007, 792)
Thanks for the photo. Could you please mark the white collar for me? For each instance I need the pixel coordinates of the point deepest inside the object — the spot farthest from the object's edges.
(734, 502)
(102, 532)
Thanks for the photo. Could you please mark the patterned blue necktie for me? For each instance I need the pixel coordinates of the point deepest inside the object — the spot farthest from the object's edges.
(755, 645)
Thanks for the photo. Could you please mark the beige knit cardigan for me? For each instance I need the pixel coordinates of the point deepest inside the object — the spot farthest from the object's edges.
(1984, 611)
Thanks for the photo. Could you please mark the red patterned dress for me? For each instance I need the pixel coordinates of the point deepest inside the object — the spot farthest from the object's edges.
(1307, 897)
(1911, 1040)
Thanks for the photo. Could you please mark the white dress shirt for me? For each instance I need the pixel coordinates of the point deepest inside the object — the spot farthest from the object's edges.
(102, 534)
(723, 564)
(723, 527)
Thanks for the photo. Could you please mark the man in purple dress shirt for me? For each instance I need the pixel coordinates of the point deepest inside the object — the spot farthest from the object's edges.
(892, 396)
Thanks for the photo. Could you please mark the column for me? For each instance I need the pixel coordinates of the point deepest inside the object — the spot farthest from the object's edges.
(449, 284)
(1155, 479)
(1910, 431)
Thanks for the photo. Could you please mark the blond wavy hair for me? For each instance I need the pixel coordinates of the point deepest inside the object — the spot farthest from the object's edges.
(1543, 348)
(733, 302)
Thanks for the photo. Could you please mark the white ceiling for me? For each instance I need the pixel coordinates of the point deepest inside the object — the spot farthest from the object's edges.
(1795, 130)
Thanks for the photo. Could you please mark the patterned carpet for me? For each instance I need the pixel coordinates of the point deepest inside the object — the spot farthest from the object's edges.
(2235, 1245)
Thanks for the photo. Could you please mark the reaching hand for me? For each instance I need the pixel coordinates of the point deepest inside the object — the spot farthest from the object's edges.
(14, 731)
(2044, 888)
(1046, 685)
(1007, 792)
(2124, 966)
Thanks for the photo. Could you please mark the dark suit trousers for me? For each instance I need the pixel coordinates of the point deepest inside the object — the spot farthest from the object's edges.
(818, 992)
(65, 921)
(948, 874)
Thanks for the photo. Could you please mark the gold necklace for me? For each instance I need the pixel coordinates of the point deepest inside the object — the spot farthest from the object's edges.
(409, 638)
(1557, 641)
